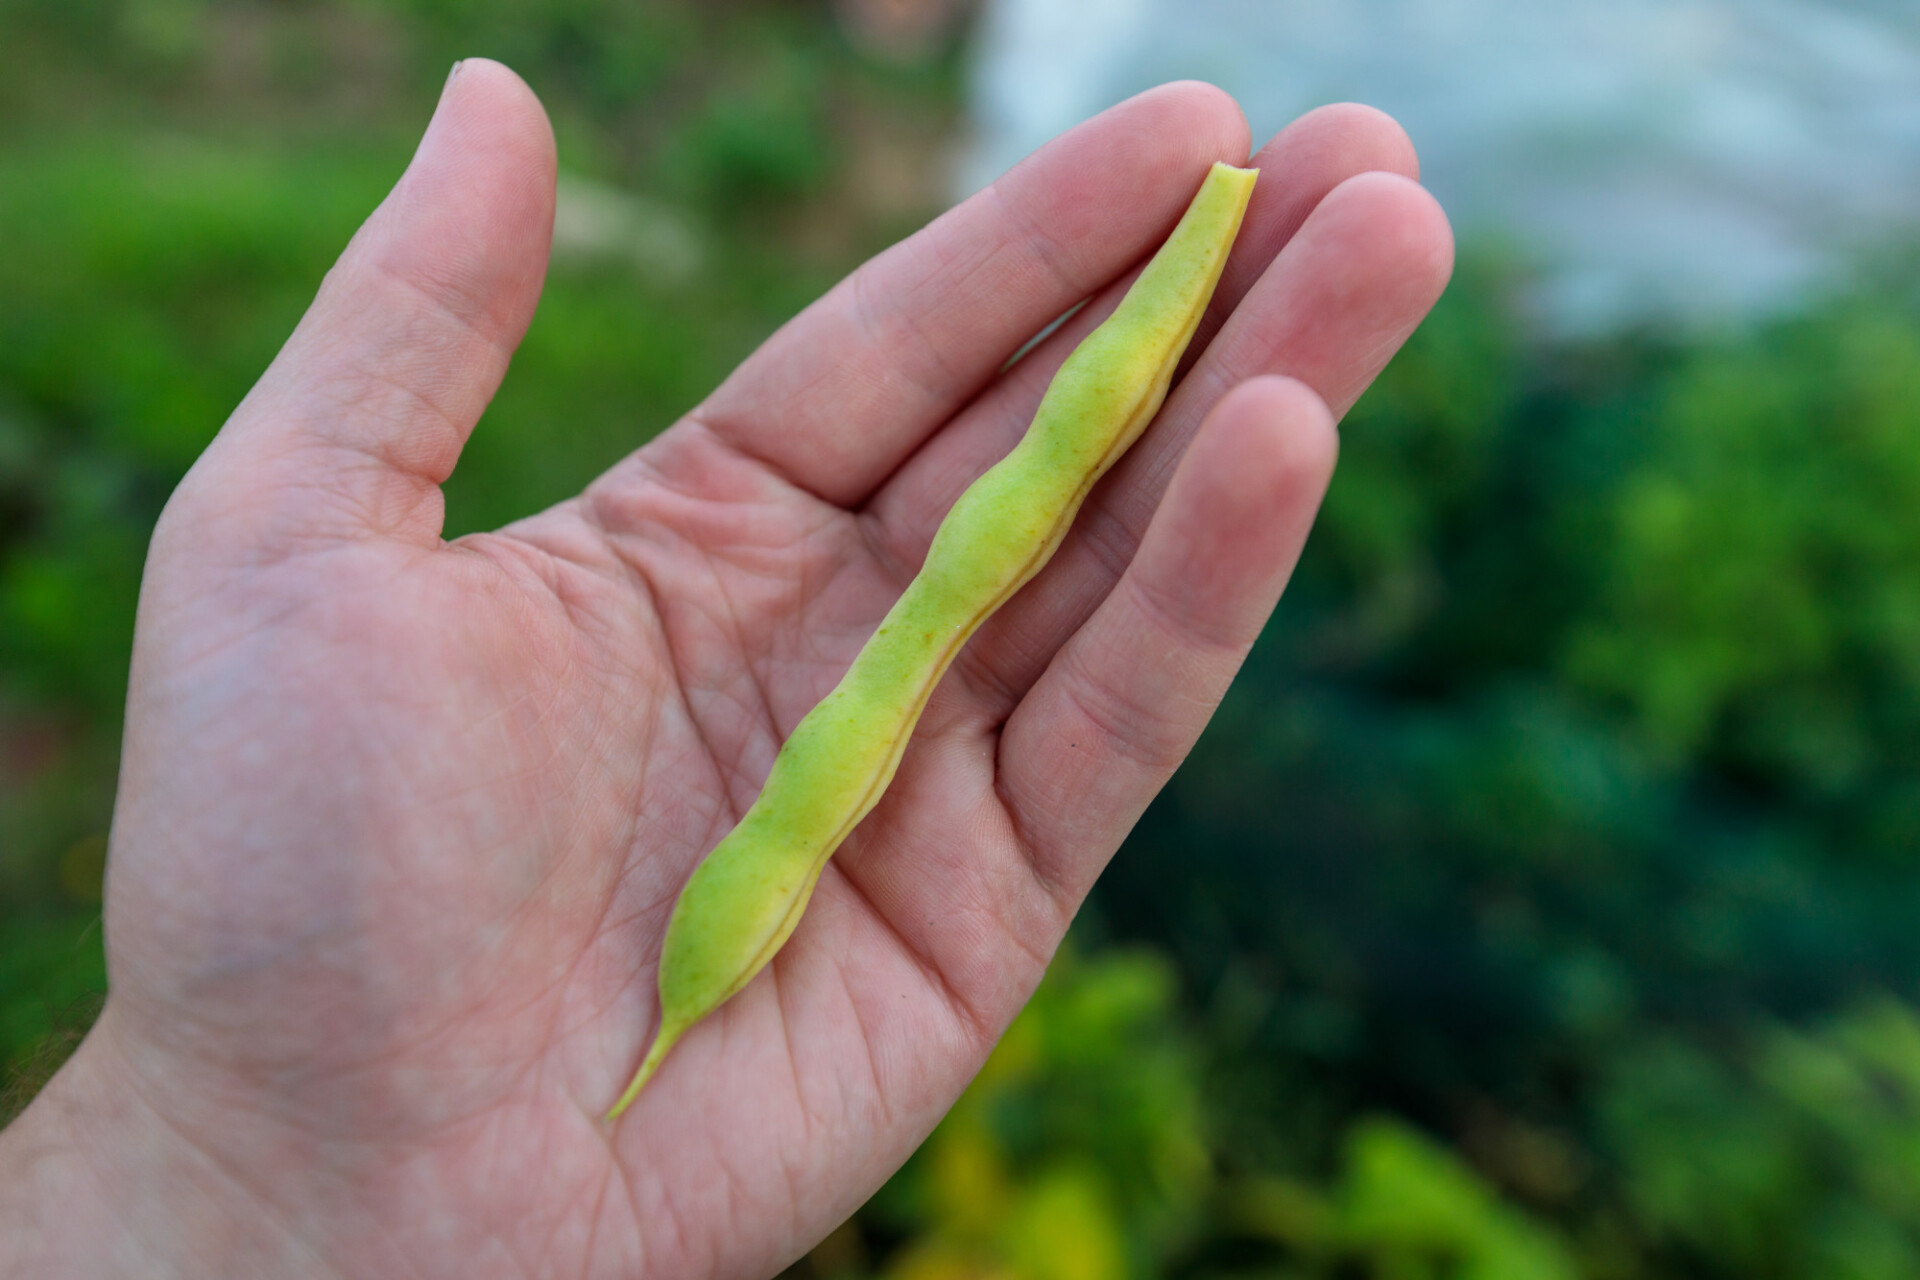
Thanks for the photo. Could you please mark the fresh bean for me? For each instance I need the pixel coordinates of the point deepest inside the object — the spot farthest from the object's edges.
(743, 901)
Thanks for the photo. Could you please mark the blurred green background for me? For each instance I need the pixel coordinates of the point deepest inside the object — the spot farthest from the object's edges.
(1542, 902)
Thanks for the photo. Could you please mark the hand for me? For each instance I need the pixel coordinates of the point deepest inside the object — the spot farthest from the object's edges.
(400, 821)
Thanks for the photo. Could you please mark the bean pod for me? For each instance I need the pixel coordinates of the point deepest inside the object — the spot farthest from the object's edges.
(743, 901)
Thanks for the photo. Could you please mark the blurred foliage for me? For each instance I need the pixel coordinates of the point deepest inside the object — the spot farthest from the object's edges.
(1576, 770)
(1078, 1153)
(1541, 903)
(1801, 1159)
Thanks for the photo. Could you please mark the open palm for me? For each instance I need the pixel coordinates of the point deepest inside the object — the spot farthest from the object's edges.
(401, 821)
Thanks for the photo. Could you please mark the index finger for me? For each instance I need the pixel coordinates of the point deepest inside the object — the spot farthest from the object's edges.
(841, 395)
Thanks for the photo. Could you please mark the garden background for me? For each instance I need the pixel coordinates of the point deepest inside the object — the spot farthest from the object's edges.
(1542, 902)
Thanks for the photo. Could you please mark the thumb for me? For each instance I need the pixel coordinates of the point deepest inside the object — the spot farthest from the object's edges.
(363, 414)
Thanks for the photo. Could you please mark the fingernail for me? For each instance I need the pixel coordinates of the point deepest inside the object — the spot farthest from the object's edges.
(454, 71)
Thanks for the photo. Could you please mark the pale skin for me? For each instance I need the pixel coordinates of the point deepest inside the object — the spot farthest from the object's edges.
(400, 821)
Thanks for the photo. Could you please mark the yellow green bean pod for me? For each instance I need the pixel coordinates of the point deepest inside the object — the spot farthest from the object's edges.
(741, 904)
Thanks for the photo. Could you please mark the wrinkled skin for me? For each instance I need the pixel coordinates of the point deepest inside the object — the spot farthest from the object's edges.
(400, 821)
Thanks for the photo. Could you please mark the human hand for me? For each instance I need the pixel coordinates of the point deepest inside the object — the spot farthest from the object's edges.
(401, 821)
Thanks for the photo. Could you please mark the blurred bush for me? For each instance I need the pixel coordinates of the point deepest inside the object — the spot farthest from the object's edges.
(1800, 1159)
(1078, 1153)
(1577, 768)
(1541, 902)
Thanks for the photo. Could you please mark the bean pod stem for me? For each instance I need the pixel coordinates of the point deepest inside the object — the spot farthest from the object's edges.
(743, 901)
